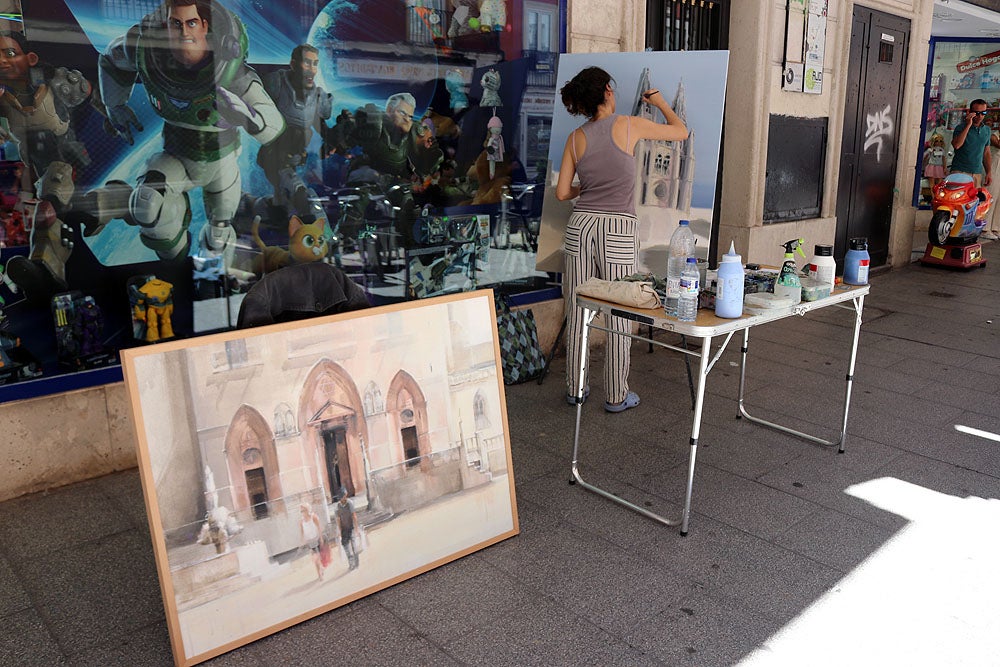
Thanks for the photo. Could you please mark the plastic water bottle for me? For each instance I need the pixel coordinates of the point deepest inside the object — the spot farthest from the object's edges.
(729, 286)
(681, 248)
(687, 302)
(856, 262)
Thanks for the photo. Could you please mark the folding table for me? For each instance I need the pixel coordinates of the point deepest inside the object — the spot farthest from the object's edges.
(708, 327)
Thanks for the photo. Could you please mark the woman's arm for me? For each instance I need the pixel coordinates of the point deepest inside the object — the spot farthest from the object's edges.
(565, 189)
(673, 130)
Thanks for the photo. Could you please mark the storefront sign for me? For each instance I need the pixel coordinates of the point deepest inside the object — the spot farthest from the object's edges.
(979, 61)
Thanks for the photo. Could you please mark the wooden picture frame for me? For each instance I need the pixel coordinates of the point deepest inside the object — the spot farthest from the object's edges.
(402, 407)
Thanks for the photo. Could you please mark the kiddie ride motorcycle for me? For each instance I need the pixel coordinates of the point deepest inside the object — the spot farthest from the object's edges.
(960, 210)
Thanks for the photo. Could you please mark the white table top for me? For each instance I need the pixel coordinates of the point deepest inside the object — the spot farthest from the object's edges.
(707, 324)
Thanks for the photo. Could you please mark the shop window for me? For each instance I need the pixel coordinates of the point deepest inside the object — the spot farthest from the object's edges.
(381, 168)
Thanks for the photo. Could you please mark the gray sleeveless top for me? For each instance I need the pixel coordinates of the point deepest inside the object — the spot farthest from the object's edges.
(607, 173)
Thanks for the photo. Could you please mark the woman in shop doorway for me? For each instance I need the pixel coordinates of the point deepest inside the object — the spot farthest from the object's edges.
(601, 233)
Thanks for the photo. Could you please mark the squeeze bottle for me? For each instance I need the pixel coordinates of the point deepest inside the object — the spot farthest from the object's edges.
(856, 262)
(788, 284)
(729, 285)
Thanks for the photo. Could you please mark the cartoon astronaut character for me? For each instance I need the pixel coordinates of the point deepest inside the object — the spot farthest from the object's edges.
(38, 102)
(306, 108)
(191, 58)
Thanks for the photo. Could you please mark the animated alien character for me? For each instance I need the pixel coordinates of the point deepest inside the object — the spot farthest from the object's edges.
(306, 108)
(38, 101)
(191, 58)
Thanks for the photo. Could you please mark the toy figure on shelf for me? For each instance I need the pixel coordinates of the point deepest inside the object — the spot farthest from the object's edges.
(88, 327)
(306, 108)
(494, 144)
(458, 97)
(491, 89)
(191, 58)
(38, 102)
(152, 306)
(935, 160)
(16, 362)
(492, 15)
(306, 243)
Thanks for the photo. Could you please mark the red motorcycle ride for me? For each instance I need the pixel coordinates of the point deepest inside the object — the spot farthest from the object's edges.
(960, 210)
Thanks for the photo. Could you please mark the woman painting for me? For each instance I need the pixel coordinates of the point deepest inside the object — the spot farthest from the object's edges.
(601, 233)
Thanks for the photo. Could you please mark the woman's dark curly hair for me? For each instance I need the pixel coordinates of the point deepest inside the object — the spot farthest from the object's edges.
(585, 92)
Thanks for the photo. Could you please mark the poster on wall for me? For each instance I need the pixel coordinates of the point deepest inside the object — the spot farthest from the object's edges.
(291, 469)
(189, 148)
(674, 180)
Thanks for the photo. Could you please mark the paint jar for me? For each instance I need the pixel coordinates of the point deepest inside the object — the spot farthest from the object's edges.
(823, 266)
(856, 262)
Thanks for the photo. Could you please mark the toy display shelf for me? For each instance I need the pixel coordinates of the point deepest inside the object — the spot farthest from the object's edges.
(55, 384)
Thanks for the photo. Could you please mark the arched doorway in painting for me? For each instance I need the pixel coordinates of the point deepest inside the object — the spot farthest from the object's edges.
(336, 429)
(335, 451)
(408, 406)
(253, 464)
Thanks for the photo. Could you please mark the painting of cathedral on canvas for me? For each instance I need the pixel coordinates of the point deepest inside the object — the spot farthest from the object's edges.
(675, 180)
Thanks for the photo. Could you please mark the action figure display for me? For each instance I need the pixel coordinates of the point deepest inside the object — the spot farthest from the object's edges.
(79, 326)
(203, 89)
(306, 108)
(38, 102)
(152, 306)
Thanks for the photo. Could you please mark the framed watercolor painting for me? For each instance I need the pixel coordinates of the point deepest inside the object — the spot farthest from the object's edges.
(291, 469)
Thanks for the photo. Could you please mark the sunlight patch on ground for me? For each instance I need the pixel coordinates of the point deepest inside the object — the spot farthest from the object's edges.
(928, 596)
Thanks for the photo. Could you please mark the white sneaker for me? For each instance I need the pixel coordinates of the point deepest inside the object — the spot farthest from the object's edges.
(989, 236)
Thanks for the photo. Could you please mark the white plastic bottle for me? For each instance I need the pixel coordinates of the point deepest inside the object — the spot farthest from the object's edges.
(823, 266)
(729, 286)
(687, 302)
(681, 248)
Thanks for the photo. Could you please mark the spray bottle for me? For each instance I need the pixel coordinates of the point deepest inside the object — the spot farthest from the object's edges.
(788, 284)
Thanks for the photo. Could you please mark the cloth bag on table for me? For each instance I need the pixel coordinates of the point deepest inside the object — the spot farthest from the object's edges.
(627, 293)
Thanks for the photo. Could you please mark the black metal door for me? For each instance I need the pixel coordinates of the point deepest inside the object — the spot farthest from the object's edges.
(872, 111)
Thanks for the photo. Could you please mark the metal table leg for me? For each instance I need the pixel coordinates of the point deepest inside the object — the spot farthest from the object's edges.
(859, 304)
(699, 404)
(588, 316)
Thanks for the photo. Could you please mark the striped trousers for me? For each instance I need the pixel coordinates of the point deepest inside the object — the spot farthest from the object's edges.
(601, 245)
